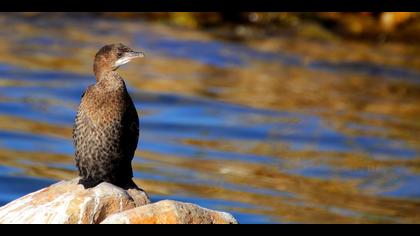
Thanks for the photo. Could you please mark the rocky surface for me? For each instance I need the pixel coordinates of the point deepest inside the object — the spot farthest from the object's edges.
(170, 212)
(69, 203)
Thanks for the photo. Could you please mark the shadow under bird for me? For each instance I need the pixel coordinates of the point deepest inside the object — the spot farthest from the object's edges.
(106, 129)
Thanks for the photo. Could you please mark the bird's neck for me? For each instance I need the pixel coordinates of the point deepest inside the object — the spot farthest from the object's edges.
(111, 80)
(102, 70)
(105, 74)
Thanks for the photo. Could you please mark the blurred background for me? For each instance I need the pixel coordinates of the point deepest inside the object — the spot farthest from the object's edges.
(274, 117)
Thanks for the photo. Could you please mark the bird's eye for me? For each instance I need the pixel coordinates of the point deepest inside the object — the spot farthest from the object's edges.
(119, 54)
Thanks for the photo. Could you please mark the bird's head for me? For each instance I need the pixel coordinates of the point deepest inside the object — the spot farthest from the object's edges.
(111, 57)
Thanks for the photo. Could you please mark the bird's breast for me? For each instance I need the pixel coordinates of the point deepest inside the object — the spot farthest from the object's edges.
(102, 108)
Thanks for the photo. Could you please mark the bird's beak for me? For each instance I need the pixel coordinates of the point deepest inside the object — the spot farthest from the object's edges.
(128, 56)
(133, 54)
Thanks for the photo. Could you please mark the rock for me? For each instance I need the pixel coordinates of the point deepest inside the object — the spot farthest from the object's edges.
(68, 202)
(170, 212)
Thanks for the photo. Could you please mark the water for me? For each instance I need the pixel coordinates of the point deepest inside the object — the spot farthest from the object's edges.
(283, 130)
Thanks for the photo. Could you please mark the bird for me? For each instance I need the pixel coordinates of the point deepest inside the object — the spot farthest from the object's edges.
(106, 128)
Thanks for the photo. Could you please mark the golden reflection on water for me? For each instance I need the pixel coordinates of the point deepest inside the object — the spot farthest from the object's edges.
(339, 99)
(317, 198)
(316, 201)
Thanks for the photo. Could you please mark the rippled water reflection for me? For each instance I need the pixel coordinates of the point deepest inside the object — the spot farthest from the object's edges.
(277, 130)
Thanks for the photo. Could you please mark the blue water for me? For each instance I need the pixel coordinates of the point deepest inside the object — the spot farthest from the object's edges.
(213, 135)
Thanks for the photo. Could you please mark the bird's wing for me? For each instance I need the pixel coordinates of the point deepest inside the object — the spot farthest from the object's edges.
(79, 117)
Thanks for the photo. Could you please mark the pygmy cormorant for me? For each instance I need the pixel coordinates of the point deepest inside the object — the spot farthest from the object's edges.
(106, 128)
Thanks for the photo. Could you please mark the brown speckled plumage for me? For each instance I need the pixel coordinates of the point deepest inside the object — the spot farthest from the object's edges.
(106, 129)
